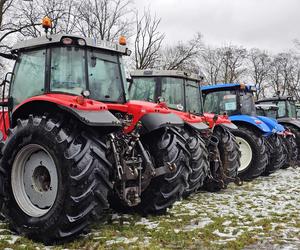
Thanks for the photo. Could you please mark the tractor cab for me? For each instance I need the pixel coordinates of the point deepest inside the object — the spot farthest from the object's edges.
(230, 99)
(286, 106)
(180, 90)
(66, 64)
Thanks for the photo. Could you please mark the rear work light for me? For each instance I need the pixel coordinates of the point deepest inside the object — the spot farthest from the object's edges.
(67, 41)
(81, 42)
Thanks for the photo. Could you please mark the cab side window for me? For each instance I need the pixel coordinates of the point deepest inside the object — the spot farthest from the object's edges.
(29, 76)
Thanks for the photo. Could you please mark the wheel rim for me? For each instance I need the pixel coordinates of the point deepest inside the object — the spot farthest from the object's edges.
(34, 180)
(246, 153)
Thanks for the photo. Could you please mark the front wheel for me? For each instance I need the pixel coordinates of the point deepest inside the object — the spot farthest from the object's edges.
(56, 179)
(254, 157)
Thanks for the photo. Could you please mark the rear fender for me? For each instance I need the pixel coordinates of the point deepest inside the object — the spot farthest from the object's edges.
(272, 124)
(154, 121)
(197, 125)
(228, 125)
(225, 126)
(93, 118)
(251, 121)
(289, 121)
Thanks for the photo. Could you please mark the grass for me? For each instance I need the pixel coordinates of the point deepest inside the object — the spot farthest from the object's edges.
(232, 219)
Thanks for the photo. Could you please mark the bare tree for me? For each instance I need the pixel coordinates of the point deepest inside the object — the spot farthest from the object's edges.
(62, 12)
(232, 63)
(211, 64)
(259, 70)
(282, 76)
(104, 19)
(224, 64)
(182, 56)
(148, 40)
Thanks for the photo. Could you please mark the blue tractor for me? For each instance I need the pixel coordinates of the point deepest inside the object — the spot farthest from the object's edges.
(259, 137)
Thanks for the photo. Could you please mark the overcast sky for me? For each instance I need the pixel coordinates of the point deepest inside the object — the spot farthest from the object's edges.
(266, 24)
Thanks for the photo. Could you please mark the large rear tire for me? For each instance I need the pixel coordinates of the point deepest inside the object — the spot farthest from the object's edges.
(199, 161)
(165, 145)
(56, 179)
(229, 152)
(230, 159)
(276, 154)
(296, 132)
(291, 151)
(254, 157)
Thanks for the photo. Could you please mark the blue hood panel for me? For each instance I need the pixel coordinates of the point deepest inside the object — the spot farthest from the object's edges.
(253, 120)
(272, 124)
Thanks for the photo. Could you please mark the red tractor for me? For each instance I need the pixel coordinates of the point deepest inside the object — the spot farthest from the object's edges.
(70, 139)
(180, 91)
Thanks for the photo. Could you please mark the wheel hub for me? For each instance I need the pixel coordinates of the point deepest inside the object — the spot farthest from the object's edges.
(34, 180)
(246, 153)
(41, 179)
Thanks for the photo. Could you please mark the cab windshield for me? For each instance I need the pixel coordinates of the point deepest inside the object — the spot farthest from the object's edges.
(286, 108)
(102, 76)
(170, 89)
(221, 102)
(172, 92)
(269, 112)
(143, 89)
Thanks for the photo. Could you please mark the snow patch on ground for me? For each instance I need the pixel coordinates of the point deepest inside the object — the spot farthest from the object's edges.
(266, 208)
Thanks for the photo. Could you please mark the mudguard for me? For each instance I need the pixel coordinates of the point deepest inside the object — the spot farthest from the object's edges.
(272, 124)
(95, 118)
(252, 120)
(197, 125)
(228, 125)
(291, 121)
(153, 121)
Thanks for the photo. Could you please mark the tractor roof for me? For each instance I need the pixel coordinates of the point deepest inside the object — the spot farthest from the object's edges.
(226, 86)
(266, 106)
(57, 39)
(166, 73)
(277, 98)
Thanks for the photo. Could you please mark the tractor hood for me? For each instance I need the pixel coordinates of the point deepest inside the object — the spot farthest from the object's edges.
(253, 121)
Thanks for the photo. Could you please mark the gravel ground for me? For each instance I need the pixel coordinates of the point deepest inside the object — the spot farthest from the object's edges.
(262, 214)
